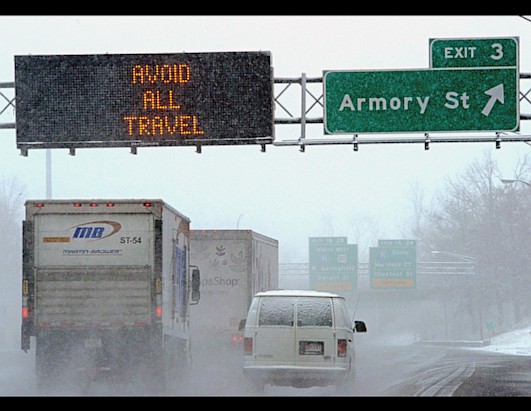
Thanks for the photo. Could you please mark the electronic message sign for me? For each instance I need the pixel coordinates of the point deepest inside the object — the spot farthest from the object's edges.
(120, 100)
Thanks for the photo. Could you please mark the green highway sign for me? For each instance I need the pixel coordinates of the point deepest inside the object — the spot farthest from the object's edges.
(397, 243)
(333, 264)
(393, 264)
(429, 100)
(474, 52)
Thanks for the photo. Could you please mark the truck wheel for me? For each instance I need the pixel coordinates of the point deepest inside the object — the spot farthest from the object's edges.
(44, 368)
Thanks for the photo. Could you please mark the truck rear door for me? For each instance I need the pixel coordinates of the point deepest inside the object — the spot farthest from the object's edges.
(97, 296)
(94, 268)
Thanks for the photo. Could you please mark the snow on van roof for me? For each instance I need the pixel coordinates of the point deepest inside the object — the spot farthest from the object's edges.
(296, 293)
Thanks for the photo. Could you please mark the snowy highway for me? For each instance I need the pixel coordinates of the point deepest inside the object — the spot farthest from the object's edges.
(399, 368)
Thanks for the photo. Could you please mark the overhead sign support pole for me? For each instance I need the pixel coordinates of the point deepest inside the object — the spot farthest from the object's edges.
(303, 111)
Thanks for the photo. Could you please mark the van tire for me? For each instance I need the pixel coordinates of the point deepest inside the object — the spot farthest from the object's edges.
(347, 384)
(255, 387)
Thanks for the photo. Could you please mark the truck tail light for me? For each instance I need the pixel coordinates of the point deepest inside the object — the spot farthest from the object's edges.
(159, 311)
(247, 346)
(236, 339)
(341, 347)
(25, 292)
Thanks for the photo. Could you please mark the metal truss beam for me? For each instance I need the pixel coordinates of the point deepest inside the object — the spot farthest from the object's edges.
(303, 119)
(310, 111)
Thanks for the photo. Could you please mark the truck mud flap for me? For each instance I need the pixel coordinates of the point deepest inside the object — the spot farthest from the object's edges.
(25, 334)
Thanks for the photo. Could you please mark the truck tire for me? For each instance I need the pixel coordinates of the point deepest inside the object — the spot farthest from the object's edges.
(45, 367)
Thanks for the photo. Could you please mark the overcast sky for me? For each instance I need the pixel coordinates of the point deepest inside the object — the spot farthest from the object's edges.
(282, 193)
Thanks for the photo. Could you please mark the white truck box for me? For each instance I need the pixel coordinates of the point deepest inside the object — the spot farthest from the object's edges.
(234, 265)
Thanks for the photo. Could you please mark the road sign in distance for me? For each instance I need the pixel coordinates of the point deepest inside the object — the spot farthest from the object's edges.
(474, 52)
(144, 99)
(393, 264)
(333, 264)
(430, 100)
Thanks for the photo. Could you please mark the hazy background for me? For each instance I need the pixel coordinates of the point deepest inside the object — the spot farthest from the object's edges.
(282, 193)
(378, 192)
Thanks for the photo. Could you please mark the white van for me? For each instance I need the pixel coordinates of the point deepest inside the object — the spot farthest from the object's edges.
(299, 338)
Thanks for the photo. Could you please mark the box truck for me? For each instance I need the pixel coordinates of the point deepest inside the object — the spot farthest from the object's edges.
(234, 265)
(106, 290)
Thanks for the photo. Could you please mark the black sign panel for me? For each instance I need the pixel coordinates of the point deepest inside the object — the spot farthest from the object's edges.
(115, 100)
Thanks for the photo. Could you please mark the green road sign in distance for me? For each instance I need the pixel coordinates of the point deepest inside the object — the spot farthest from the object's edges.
(429, 100)
(397, 243)
(333, 264)
(474, 52)
(393, 264)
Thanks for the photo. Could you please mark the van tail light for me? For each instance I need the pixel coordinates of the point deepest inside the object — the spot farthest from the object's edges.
(342, 347)
(247, 346)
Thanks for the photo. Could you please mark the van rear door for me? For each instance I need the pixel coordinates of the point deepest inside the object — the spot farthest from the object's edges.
(315, 337)
(275, 342)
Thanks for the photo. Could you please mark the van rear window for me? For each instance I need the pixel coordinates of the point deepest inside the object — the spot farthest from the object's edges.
(311, 312)
(276, 311)
(314, 312)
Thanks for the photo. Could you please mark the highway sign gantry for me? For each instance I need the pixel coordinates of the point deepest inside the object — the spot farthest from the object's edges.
(426, 100)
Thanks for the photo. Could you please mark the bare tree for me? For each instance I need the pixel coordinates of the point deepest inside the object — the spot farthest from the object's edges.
(11, 214)
(479, 217)
(513, 256)
(364, 231)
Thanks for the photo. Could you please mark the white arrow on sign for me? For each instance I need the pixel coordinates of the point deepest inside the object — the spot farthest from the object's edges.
(495, 93)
